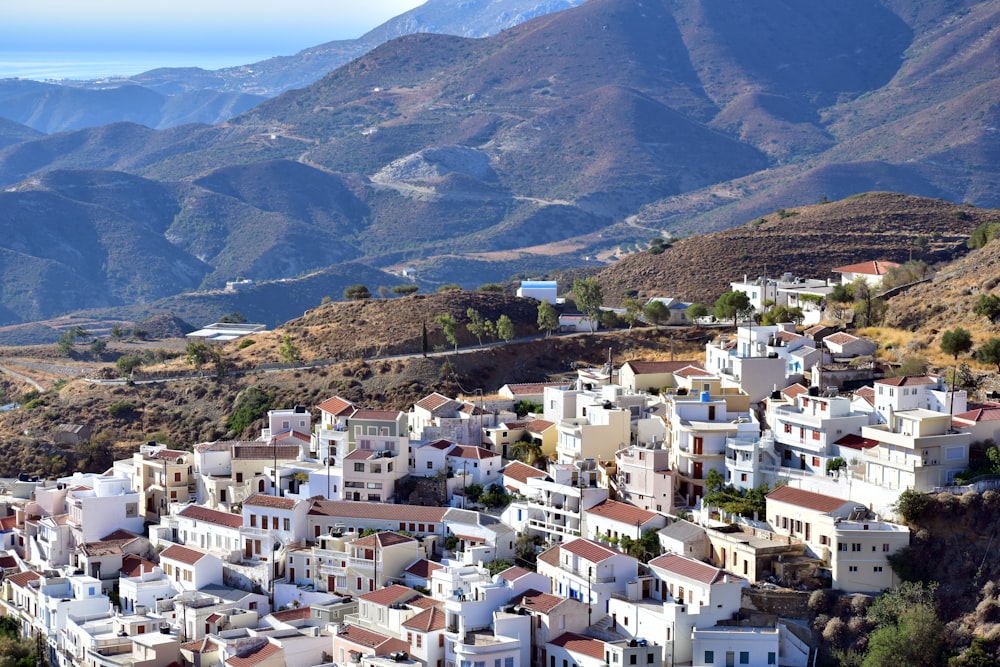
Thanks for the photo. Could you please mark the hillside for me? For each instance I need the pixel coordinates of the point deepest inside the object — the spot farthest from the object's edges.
(567, 140)
(806, 241)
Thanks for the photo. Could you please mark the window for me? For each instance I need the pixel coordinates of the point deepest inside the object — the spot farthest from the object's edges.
(877, 568)
(744, 657)
(709, 657)
(420, 641)
(852, 568)
(287, 525)
(430, 466)
(177, 477)
(132, 511)
(788, 428)
(359, 467)
(855, 546)
(885, 547)
(253, 520)
(772, 658)
(842, 546)
(508, 662)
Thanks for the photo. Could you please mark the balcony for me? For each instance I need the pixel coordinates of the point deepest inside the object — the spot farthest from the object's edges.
(553, 528)
(583, 575)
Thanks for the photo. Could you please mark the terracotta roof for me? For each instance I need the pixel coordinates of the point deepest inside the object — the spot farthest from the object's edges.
(8, 523)
(213, 618)
(855, 441)
(205, 645)
(867, 394)
(209, 515)
(299, 614)
(423, 568)
(423, 602)
(589, 550)
(588, 646)
(550, 556)
(376, 415)
(384, 539)
(840, 338)
(691, 569)
(789, 336)
(538, 425)
(441, 444)
(521, 471)
(652, 367)
(807, 499)
(337, 406)
(538, 601)
(360, 455)
(389, 595)
(795, 390)
(289, 435)
(433, 402)
(983, 412)
(358, 635)
(170, 454)
(470, 409)
(182, 554)
(360, 510)
(873, 268)
(513, 573)
(907, 380)
(469, 452)
(427, 621)
(119, 534)
(623, 512)
(258, 452)
(264, 500)
(133, 566)
(532, 388)
(255, 656)
(22, 579)
(691, 371)
(7, 562)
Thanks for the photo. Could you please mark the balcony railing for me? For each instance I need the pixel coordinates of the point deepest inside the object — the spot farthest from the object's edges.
(583, 575)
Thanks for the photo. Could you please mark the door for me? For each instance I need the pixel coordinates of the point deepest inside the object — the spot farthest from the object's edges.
(697, 469)
(730, 659)
(698, 445)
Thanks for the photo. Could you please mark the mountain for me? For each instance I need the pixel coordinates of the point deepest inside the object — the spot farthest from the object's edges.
(563, 142)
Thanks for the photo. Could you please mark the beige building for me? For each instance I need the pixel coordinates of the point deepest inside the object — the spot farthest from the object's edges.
(918, 449)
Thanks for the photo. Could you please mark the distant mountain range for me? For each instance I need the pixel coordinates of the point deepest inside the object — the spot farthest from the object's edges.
(569, 138)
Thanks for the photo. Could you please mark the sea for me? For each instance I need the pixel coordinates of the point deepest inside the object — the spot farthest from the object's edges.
(88, 65)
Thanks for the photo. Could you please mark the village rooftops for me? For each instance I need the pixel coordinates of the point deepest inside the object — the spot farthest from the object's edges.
(261, 452)
(690, 568)
(433, 402)
(537, 601)
(589, 550)
(381, 540)
(872, 268)
(655, 367)
(423, 568)
(264, 500)
(182, 554)
(428, 620)
(808, 499)
(623, 512)
(337, 406)
(254, 656)
(209, 515)
(355, 510)
(588, 646)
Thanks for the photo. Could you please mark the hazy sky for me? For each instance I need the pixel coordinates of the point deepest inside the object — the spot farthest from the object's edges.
(247, 26)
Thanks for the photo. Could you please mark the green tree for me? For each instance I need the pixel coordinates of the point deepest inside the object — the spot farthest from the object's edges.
(732, 305)
(956, 341)
(696, 311)
(490, 329)
(528, 452)
(868, 308)
(251, 404)
(490, 287)
(989, 353)
(289, 351)
(423, 338)
(66, 341)
(98, 346)
(118, 332)
(656, 312)
(405, 289)
(505, 328)
(126, 364)
(916, 640)
(524, 406)
(977, 655)
(197, 354)
(383, 291)
(449, 287)
(476, 325)
(357, 292)
(449, 327)
(474, 492)
(589, 298)
(983, 234)
(234, 317)
(780, 314)
(988, 306)
(633, 311)
(714, 482)
(548, 318)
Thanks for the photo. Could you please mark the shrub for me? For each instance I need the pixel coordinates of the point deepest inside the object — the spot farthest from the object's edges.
(121, 409)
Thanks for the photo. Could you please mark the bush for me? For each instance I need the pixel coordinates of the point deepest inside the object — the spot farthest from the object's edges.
(121, 409)
(912, 505)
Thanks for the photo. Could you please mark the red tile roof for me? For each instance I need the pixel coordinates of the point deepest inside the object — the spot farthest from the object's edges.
(538, 425)
(170, 454)
(513, 573)
(469, 452)
(255, 656)
(22, 579)
(213, 618)
(623, 512)
(389, 595)
(376, 415)
(840, 338)
(855, 441)
(654, 367)
(7, 562)
(205, 645)
(795, 390)
(259, 452)
(907, 380)
(289, 435)
(588, 646)
(362, 637)
(867, 394)
(182, 554)
(299, 614)
(264, 500)
(521, 471)
(362, 510)
(807, 499)
(589, 550)
(360, 455)
(543, 603)
(433, 402)
(423, 568)
(119, 534)
(337, 406)
(873, 268)
(8, 523)
(983, 412)
(133, 566)
(531, 388)
(384, 539)
(216, 446)
(427, 621)
(690, 568)
(691, 371)
(209, 515)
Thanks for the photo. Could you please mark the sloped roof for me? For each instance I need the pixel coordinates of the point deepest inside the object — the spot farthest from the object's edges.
(470, 452)
(182, 554)
(655, 367)
(538, 601)
(22, 579)
(690, 568)
(907, 381)
(794, 391)
(623, 512)
(389, 595)
(521, 471)
(133, 566)
(361, 636)
(692, 370)
(855, 441)
(423, 568)
(376, 415)
(840, 338)
(589, 550)
(298, 614)
(337, 406)
(872, 268)
(513, 573)
(204, 645)
(531, 388)
(537, 425)
(428, 620)
(255, 656)
(588, 646)
(169, 454)
(274, 502)
(867, 394)
(433, 402)
(982, 412)
(807, 499)
(255, 451)
(384, 539)
(209, 515)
